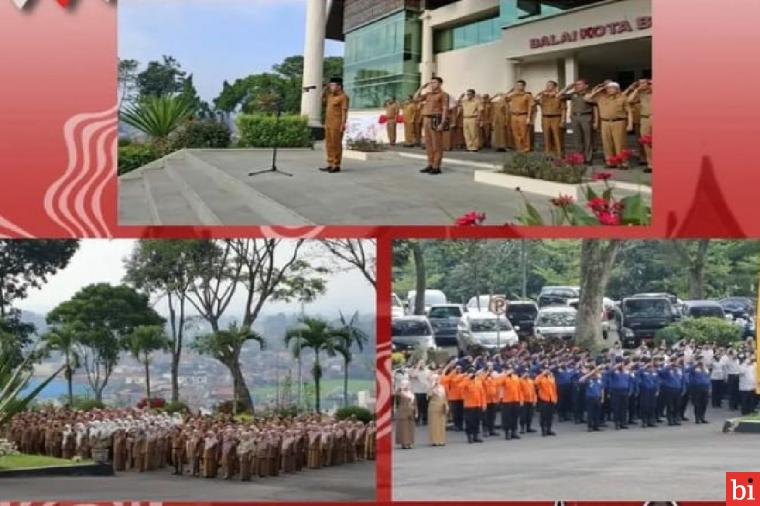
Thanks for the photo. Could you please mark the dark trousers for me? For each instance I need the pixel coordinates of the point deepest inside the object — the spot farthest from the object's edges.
(594, 412)
(699, 396)
(633, 407)
(583, 134)
(661, 404)
(672, 398)
(565, 401)
(546, 415)
(619, 401)
(718, 387)
(748, 401)
(472, 421)
(526, 416)
(510, 413)
(607, 406)
(648, 406)
(733, 391)
(579, 403)
(422, 408)
(684, 402)
(457, 414)
(489, 421)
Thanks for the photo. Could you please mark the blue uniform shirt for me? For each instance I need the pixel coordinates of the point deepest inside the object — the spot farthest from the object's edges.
(649, 380)
(594, 388)
(620, 381)
(699, 378)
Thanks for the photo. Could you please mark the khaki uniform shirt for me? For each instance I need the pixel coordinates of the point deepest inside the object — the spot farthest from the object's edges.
(613, 107)
(336, 109)
(579, 105)
(551, 105)
(471, 108)
(391, 112)
(436, 102)
(521, 103)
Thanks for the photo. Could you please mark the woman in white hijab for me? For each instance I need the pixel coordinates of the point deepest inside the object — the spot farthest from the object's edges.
(438, 411)
(405, 416)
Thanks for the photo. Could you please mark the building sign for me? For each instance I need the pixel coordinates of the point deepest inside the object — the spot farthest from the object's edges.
(592, 32)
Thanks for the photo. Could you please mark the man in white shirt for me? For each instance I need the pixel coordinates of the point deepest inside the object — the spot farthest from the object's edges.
(419, 377)
(731, 367)
(718, 380)
(748, 385)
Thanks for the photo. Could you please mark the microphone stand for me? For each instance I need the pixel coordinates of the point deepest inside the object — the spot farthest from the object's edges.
(273, 169)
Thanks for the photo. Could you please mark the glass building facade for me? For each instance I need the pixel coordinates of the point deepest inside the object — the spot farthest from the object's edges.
(382, 60)
(474, 33)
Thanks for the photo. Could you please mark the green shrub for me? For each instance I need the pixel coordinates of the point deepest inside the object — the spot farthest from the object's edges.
(365, 145)
(361, 414)
(225, 407)
(260, 131)
(85, 404)
(207, 133)
(542, 166)
(176, 407)
(134, 156)
(123, 141)
(701, 330)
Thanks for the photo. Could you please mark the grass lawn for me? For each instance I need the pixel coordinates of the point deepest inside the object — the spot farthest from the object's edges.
(23, 461)
(751, 418)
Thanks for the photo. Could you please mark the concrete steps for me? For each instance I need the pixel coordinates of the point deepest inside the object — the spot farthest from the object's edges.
(182, 189)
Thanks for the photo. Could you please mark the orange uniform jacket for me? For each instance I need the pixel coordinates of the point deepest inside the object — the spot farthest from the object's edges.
(528, 387)
(453, 384)
(474, 393)
(547, 388)
(491, 385)
(511, 389)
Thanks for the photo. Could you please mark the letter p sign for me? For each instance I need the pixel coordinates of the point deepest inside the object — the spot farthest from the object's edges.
(741, 489)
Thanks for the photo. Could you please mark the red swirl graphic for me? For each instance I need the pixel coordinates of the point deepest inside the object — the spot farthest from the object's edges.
(73, 201)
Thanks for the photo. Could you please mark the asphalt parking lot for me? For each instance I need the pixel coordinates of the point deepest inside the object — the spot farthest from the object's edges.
(667, 463)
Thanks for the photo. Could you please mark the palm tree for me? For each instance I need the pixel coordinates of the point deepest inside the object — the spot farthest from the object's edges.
(349, 335)
(142, 343)
(64, 340)
(158, 117)
(317, 335)
(13, 379)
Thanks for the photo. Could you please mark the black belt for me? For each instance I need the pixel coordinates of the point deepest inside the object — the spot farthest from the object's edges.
(583, 114)
(433, 115)
(647, 117)
(551, 116)
(519, 114)
(614, 120)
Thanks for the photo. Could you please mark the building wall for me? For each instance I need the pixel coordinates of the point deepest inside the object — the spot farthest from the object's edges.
(460, 11)
(360, 12)
(480, 67)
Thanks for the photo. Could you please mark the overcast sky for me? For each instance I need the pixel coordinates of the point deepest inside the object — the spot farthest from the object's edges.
(214, 39)
(99, 261)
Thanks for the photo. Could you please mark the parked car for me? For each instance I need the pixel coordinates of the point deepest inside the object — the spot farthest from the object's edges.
(677, 303)
(482, 303)
(608, 311)
(397, 307)
(704, 309)
(557, 295)
(485, 330)
(644, 315)
(432, 298)
(522, 315)
(445, 321)
(739, 307)
(409, 332)
(557, 322)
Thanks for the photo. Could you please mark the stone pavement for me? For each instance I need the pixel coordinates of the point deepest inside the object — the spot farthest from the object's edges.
(212, 187)
(351, 482)
(666, 463)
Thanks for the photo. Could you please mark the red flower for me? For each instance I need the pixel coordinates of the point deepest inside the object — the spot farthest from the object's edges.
(599, 205)
(626, 155)
(608, 218)
(563, 201)
(383, 119)
(399, 119)
(645, 140)
(471, 219)
(575, 159)
(614, 161)
(602, 176)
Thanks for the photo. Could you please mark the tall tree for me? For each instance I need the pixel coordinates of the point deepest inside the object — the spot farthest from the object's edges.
(166, 270)
(127, 81)
(64, 340)
(103, 316)
(161, 78)
(263, 270)
(421, 285)
(597, 259)
(314, 334)
(349, 335)
(693, 254)
(142, 342)
(358, 253)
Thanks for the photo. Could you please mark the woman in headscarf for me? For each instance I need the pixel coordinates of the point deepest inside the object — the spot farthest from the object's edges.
(438, 411)
(405, 416)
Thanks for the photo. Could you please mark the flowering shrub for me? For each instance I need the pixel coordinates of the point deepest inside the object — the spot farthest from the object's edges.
(364, 144)
(154, 403)
(7, 448)
(645, 140)
(384, 119)
(471, 219)
(570, 169)
(621, 158)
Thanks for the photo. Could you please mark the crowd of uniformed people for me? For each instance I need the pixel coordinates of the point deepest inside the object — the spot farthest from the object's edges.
(512, 389)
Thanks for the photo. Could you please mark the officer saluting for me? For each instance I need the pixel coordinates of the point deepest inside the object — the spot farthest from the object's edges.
(336, 115)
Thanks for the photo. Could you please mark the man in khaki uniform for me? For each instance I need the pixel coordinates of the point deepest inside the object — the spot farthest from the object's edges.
(486, 121)
(410, 123)
(391, 113)
(471, 112)
(552, 118)
(336, 115)
(642, 96)
(521, 109)
(435, 117)
(419, 123)
(500, 131)
(617, 119)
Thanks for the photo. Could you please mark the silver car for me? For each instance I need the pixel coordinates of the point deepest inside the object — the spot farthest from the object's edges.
(556, 323)
(485, 330)
(411, 332)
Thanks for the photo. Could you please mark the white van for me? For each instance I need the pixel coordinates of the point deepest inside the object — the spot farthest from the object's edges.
(432, 298)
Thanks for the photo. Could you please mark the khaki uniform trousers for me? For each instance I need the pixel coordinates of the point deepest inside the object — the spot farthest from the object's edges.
(614, 138)
(433, 144)
(646, 129)
(520, 132)
(334, 146)
(552, 127)
(471, 134)
(392, 133)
